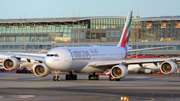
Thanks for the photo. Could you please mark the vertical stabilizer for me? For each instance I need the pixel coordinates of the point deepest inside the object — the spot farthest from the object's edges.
(125, 34)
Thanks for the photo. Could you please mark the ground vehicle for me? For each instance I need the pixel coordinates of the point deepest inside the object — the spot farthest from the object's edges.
(158, 72)
(3, 70)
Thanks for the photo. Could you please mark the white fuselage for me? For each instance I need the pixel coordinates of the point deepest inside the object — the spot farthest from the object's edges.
(77, 58)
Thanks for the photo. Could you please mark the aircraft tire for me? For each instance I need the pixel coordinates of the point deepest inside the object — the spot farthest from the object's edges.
(74, 77)
(68, 77)
(117, 79)
(96, 77)
(54, 78)
(58, 78)
(90, 77)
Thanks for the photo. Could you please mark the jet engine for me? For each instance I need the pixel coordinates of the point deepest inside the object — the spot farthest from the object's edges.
(41, 70)
(119, 71)
(11, 63)
(168, 67)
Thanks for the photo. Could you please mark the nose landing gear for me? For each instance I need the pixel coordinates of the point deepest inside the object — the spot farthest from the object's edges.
(56, 77)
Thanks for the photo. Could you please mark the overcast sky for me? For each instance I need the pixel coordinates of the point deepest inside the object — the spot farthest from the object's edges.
(10, 9)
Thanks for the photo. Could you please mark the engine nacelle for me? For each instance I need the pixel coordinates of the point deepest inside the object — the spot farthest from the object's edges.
(11, 63)
(41, 70)
(119, 71)
(168, 67)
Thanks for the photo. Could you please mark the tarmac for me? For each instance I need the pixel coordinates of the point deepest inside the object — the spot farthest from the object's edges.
(136, 87)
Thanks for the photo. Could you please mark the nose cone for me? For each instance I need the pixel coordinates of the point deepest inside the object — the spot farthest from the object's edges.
(58, 59)
(49, 62)
(51, 59)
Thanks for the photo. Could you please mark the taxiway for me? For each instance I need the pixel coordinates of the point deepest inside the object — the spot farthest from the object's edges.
(135, 86)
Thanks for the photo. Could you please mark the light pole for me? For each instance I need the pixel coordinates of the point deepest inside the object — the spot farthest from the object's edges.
(78, 30)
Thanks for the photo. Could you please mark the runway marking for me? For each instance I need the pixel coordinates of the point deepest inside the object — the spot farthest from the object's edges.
(26, 96)
(4, 87)
(136, 77)
(1, 97)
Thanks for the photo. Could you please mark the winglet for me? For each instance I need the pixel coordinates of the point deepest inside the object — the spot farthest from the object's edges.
(126, 30)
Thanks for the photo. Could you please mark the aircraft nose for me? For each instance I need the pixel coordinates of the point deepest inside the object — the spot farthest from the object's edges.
(49, 62)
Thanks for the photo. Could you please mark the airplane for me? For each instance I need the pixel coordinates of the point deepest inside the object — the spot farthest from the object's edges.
(24, 63)
(89, 60)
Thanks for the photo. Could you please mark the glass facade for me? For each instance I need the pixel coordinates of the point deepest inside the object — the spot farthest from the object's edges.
(64, 28)
(28, 47)
(40, 35)
(26, 39)
(113, 33)
(104, 23)
(98, 29)
(24, 29)
(159, 31)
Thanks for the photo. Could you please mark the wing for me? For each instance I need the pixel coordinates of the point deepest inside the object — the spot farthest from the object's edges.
(99, 64)
(37, 57)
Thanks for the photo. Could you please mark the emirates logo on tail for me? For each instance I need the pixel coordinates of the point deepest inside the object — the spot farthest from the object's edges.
(125, 34)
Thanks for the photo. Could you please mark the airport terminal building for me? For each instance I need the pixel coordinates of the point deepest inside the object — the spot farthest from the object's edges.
(45, 33)
(41, 33)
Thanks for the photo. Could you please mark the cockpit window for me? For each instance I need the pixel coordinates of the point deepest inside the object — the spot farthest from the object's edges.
(56, 55)
(52, 55)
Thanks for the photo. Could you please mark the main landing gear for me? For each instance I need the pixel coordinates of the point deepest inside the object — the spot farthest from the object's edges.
(71, 76)
(113, 79)
(56, 77)
(93, 77)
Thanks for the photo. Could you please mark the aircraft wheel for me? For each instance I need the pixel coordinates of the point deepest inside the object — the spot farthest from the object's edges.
(54, 78)
(58, 78)
(68, 77)
(93, 77)
(96, 77)
(90, 77)
(117, 79)
(74, 77)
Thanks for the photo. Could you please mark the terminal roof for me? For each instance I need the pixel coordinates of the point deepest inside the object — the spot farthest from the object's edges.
(38, 20)
(158, 18)
(75, 19)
